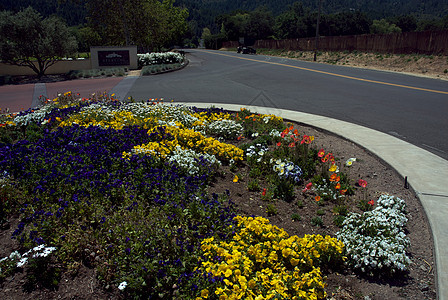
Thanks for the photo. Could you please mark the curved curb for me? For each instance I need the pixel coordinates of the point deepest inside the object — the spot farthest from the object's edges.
(427, 173)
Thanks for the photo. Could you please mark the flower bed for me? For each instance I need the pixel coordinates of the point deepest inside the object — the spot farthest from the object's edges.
(124, 188)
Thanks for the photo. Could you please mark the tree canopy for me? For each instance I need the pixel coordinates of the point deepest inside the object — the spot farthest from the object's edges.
(150, 24)
(27, 39)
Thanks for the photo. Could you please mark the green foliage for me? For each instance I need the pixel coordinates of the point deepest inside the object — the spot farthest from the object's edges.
(317, 221)
(384, 27)
(75, 74)
(320, 212)
(296, 217)
(29, 40)
(340, 210)
(364, 205)
(156, 69)
(253, 185)
(271, 209)
(339, 220)
(149, 24)
(284, 189)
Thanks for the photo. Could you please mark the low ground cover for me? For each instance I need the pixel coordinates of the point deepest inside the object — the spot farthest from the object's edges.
(132, 191)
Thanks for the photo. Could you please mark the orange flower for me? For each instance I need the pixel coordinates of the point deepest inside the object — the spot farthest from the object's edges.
(343, 192)
(296, 132)
(338, 186)
(317, 198)
(335, 177)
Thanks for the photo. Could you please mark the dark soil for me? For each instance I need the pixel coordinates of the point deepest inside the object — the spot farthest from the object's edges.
(418, 283)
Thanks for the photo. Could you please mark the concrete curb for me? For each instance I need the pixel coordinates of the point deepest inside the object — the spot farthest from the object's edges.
(427, 173)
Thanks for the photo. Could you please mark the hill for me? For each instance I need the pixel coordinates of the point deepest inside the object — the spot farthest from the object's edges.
(73, 13)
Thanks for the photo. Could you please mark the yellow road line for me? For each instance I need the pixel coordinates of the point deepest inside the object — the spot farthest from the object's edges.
(332, 74)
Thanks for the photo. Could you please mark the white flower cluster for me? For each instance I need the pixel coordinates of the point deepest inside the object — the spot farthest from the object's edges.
(188, 159)
(326, 191)
(227, 129)
(287, 169)
(275, 133)
(159, 58)
(5, 179)
(257, 152)
(375, 241)
(37, 116)
(15, 259)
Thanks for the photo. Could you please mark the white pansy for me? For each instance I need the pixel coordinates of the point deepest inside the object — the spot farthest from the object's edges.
(350, 161)
(122, 285)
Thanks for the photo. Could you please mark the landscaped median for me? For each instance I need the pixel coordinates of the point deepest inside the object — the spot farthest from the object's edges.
(124, 187)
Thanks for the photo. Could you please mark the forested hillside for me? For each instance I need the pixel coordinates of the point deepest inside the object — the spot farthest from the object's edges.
(204, 11)
(375, 8)
(73, 13)
(260, 19)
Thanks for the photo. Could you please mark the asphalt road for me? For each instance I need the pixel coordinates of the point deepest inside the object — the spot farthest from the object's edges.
(412, 108)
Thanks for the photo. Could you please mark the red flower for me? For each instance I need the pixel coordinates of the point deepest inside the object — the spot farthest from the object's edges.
(321, 153)
(279, 144)
(264, 192)
(362, 183)
(371, 202)
(291, 145)
(307, 187)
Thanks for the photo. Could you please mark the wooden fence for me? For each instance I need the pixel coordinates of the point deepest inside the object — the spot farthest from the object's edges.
(425, 42)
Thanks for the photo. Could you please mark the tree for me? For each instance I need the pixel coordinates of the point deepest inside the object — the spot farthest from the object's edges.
(145, 23)
(260, 24)
(295, 22)
(26, 39)
(384, 27)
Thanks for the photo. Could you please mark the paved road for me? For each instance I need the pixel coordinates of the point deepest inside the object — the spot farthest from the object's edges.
(414, 109)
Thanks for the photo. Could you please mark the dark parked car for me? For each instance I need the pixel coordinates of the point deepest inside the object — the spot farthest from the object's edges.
(246, 50)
